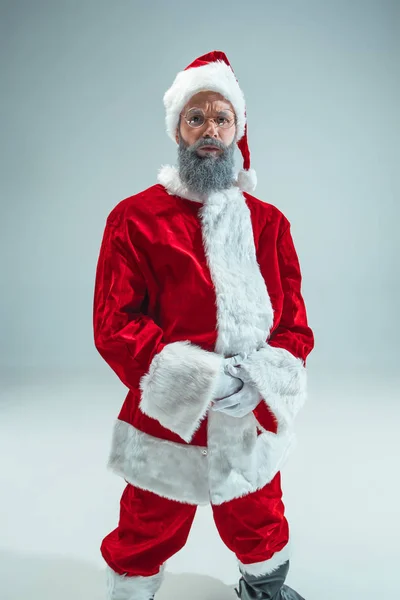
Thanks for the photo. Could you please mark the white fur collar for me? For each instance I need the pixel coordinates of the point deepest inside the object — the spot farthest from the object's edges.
(168, 176)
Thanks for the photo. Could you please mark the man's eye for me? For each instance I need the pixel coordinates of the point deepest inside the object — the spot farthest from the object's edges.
(196, 120)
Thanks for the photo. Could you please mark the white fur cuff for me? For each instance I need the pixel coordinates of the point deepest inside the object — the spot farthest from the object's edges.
(179, 386)
(122, 587)
(267, 566)
(280, 378)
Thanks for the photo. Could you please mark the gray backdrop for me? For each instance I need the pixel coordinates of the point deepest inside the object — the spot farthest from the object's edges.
(83, 127)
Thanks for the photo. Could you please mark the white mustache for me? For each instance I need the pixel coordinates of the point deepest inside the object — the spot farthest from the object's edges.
(210, 143)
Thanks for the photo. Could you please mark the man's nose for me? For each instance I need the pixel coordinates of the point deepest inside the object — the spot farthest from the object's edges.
(211, 128)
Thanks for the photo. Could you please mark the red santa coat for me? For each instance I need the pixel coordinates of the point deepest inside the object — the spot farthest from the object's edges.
(181, 282)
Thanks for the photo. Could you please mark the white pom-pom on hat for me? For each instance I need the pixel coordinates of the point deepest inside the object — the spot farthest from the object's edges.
(247, 180)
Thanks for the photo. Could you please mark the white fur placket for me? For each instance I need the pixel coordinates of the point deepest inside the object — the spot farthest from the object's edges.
(244, 310)
(240, 461)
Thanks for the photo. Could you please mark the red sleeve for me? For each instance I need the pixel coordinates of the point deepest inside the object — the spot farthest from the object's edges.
(292, 332)
(124, 335)
(177, 380)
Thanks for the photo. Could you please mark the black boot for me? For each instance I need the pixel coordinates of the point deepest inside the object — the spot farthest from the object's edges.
(267, 587)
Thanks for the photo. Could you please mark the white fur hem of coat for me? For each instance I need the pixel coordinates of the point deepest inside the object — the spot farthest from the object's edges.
(236, 462)
(267, 566)
(179, 387)
(122, 587)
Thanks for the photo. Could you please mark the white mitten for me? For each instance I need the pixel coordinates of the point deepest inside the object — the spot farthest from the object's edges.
(227, 384)
(239, 404)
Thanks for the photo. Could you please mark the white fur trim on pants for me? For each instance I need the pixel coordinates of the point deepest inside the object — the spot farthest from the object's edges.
(267, 566)
(122, 587)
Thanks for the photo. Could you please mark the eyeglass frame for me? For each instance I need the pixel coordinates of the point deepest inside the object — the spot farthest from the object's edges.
(234, 122)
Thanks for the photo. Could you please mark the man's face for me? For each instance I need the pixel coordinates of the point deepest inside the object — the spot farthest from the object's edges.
(212, 104)
(206, 153)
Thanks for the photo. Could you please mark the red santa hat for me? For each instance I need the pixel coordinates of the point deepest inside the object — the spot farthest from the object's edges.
(212, 72)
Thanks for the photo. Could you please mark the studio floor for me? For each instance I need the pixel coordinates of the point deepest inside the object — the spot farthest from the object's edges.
(341, 492)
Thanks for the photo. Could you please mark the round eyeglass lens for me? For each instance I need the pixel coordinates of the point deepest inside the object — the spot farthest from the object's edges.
(195, 117)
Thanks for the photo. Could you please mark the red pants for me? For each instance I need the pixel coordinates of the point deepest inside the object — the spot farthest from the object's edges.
(152, 529)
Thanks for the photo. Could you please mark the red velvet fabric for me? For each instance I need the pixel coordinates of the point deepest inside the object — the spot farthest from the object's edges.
(208, 58)
(153, 287)
(152, 529)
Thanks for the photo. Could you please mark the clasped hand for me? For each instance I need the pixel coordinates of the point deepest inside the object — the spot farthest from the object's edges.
(235, 396)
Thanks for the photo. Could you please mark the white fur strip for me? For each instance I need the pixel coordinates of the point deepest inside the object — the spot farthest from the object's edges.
(281, 379)
(179, 387)
(237, 461)
(176, 471)
(267, 566)
(244, 309)
(122, 587)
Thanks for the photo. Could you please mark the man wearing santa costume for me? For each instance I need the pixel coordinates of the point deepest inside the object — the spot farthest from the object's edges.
(199, 311)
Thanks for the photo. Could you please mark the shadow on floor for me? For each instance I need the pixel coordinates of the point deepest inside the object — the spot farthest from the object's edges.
(59, 578)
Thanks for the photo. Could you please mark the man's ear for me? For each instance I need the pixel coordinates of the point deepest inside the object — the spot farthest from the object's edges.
(178, 130)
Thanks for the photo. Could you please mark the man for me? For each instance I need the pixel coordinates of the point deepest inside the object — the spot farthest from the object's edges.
(198, 309)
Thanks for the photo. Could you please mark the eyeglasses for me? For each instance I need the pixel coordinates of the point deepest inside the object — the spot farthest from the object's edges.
(195, 118)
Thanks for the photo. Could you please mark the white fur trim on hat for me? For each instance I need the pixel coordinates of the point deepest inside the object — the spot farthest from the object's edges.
(217, 77)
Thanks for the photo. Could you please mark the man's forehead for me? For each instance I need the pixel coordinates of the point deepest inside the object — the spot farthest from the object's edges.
(206, 98)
